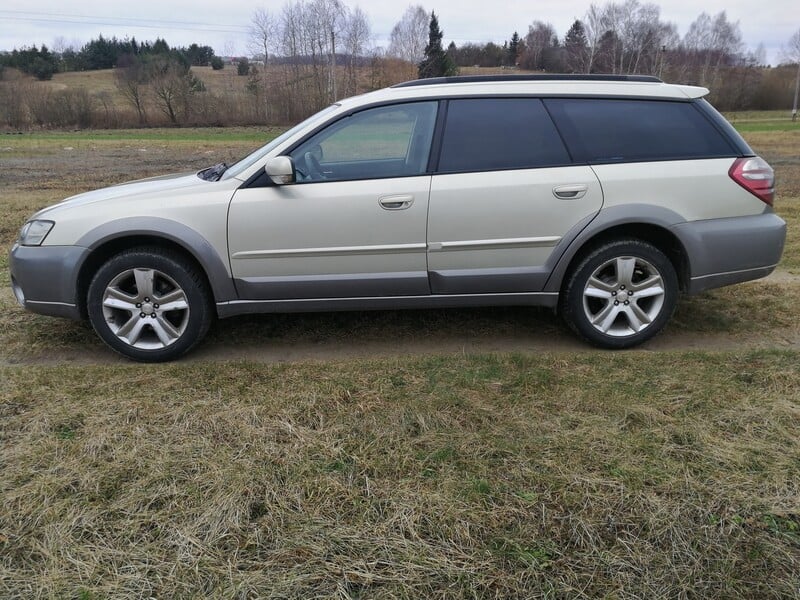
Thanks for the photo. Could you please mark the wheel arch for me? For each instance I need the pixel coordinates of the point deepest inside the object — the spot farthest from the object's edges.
(648, 224)
(117, 236)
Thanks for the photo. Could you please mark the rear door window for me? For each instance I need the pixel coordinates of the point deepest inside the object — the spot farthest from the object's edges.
(485, 134)
(608, 131)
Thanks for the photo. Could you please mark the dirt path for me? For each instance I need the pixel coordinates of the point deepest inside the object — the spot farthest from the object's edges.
(304, 351)
(325, 337)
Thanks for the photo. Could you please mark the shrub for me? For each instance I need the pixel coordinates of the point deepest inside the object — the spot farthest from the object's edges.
(243, 67)
(42, 69)
(66, 108)
(217, 63)
(13, 111)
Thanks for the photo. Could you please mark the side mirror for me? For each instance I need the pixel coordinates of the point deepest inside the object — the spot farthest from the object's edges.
(281, 170)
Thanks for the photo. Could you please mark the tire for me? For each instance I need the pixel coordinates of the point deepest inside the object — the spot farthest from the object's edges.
(149, 304)
(620, 295)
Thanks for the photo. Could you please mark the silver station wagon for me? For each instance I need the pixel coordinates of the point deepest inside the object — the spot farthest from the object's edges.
(603, 197)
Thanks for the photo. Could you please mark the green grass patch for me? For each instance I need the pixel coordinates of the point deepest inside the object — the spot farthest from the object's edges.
(762, 121)
(167, 135)
(769, 126)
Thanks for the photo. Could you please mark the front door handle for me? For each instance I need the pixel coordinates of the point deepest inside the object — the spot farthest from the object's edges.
(396, 202)
(570, 192)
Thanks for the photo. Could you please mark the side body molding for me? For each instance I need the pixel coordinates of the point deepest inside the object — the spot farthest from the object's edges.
(215, 266)
(583, 231)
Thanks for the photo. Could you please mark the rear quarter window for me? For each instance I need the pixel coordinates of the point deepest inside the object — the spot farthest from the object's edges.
(608, 131)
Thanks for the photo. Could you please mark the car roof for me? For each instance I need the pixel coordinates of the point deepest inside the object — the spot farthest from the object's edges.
(563, 85)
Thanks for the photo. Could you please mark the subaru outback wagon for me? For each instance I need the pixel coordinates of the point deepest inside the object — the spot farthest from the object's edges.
(603, 197)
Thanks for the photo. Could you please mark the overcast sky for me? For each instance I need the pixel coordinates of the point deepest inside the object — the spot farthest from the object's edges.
(223, 25)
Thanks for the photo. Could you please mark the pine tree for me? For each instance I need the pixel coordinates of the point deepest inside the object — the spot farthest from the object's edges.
(577, 48)
(437, 63)
(513, 50)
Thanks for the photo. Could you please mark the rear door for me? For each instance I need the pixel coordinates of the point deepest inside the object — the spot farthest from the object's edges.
(663, 153)
(504, 194)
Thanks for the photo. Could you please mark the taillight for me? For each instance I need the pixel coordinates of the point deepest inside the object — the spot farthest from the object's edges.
(756, 176)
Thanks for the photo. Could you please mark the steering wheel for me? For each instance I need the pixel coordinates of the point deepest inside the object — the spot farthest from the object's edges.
(313, 166)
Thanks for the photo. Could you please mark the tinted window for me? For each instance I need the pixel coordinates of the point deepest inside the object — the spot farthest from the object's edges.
(628, 130)
(389, 141)
(499, 133)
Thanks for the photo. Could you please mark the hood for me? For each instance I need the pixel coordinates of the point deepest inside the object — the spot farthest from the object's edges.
(133, 188)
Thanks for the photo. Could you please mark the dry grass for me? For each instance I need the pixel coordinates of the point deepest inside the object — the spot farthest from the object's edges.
(569, 474)
(225, 81)
(98, 82)
(623, 475)
(782, 150)
(744, 116)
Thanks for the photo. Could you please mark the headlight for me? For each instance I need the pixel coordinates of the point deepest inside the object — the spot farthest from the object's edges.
(34, 232)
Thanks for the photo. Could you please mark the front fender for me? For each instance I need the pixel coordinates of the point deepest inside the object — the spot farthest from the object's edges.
(215, 266)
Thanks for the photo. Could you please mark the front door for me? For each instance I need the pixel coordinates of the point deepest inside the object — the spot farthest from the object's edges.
(354, 223)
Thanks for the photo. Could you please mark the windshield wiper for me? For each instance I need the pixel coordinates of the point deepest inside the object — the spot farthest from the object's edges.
(213, 173)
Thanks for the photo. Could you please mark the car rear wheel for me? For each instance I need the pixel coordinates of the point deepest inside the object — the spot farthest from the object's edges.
(149, 304)
(621, 294)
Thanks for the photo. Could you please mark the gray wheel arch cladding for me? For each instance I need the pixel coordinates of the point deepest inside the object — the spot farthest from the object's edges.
(187, 238)
(577, 237)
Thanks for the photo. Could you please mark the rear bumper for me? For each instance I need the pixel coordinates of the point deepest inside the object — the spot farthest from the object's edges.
(44, 278)
(726, 251)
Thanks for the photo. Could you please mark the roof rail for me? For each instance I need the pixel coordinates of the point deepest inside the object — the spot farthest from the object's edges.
(556, 77)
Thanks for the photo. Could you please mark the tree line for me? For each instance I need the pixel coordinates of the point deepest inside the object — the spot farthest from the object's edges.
(313, 52)
(100, 53)
(629, 37)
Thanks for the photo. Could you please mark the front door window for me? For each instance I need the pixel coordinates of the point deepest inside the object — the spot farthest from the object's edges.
(388, 141)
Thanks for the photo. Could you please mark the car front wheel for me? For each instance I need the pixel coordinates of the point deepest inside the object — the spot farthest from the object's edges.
(149, 304)
(621, 294)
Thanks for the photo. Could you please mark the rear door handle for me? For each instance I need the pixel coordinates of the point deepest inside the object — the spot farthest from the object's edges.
(396, 202)
(570, 192)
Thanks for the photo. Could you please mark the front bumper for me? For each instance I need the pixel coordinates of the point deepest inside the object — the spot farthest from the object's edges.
(45, 278)
(726, 251)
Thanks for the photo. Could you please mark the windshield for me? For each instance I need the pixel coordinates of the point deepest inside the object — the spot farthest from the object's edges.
(249, 160)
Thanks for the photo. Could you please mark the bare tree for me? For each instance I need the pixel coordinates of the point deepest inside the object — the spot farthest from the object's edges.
(791, 54)
(291, 40)
(327, 19)
(131, 78)
(593, 25)
(59, 45)
(760, 55)
(308, 32)
(356, 36)
(540, 37)
(646, 39)
(614, 19)
(172, 86)
(628, 37)
(712, 42)
(290, 30)
(262, 36)
(410, 35)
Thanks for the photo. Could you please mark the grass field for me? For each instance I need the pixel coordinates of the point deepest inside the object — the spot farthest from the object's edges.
(419, 454)
(776, 124)
(205, 135)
